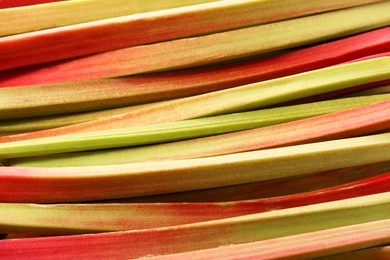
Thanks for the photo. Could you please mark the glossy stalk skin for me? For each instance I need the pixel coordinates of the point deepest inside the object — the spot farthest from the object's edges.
(208, 234)
(169, 85)
(72, 184)
(58, 219)
(52, 15)
(229, 45)
(252, 96)
(201, 19)
(19, 3)
(319, 244)
(358, 120)
(346, 123)
(270, 188)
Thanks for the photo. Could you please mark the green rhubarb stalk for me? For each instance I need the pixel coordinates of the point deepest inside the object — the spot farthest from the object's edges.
(65, 184)
(267, 116)
(270, 188)
(252, 96)
(186, 129)
(199, 20)
(218, 47)
(57, 219)
(106, 93)
(208, 234)
(345, 123)
(318, 244)
(51, 15)
(29, 124)
(211, 78)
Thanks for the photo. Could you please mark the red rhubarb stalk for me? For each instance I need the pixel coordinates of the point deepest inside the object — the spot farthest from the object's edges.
(65, 184)
(208, 234)
(270, 188)
(347, 123)
(18, 3)
(202, 80)
(92, 37)
(324, 243)
(155, 87)
(189, 52)
(252, 96)
(59, 219)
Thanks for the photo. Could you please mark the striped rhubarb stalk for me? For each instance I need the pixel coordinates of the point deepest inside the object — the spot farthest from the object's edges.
(56, 219)
(22, 50)
(208, 234)
(156, 87)
(65, 184)
(205, 126)
(346, 123)
(52, 15)
(323, 244)
(252, 96)
(270, 188)
(189, 52)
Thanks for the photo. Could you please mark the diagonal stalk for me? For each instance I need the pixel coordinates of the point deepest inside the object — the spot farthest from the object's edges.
(358, 120)
(252, 96)
(318, 244)
(343, 124)
(270, 188)
(51, 15)
(106, 93)
(208, 234)
(229, 45)
(199, 20)
(57, 219)
(66, 184)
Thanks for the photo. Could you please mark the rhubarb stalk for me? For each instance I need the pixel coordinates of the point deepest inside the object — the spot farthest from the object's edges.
(229, 45)
(208, 234)
(252, 96)
(65, 184)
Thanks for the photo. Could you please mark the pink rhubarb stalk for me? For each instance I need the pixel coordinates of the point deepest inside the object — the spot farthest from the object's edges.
(270, 188)
(208, 234)
(66, 184)
(189, 52)
(93, 37)
(59, 219)
(347, 123)
(252, 96)
(169, 85)
(324, 243)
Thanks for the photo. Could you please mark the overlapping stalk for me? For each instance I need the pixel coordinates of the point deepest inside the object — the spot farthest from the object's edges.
(19, 184)
(57, 14)
(83, 218)
(203, 235)
(252, 96)
(205, 18)
(251, 150)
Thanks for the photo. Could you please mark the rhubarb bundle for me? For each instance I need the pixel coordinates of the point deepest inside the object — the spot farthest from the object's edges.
(195, 129)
